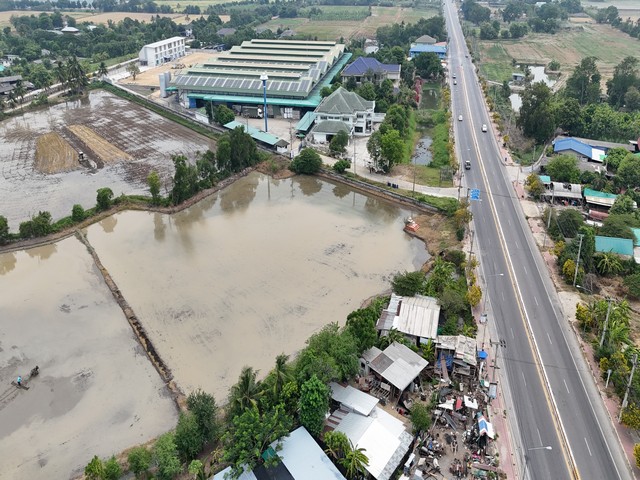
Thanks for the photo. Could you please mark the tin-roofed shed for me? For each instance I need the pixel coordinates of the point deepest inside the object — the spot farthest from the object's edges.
(621, 246)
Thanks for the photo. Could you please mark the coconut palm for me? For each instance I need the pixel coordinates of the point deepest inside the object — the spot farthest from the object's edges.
(102, 70)
(355, 462)
(617, 333)
(609, 264)
(392, 336)
(281, 374)
(244, 394)
(337, 444)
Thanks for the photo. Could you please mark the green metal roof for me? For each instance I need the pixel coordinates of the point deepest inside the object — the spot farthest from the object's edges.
(305, 122)
(595, 193)
(256, 134)
(544, 178)
(636, 233)
(621, 246)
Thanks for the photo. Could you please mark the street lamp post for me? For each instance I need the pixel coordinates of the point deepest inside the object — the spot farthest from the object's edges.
(264, 79)
(526, 458)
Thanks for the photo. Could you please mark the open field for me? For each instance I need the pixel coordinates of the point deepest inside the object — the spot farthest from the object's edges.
(626, 8)
(333, 30)
(568, 47)
(105, 128)
(99, 18)
(54, 154)
(96, 394)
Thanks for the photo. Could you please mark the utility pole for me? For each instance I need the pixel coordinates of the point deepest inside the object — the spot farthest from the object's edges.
(354, 152)
(606, 323)
(626, 393)
(575, 275)
(471, 249)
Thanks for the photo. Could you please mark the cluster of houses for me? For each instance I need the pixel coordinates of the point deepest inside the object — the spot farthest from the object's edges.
(591, 155)
(371, 411)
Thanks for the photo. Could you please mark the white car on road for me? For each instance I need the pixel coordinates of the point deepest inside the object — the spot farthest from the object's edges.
(484, 127)
(459, 118)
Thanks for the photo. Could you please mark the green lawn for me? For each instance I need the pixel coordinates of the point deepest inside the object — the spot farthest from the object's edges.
(495, 63)
(426, 175)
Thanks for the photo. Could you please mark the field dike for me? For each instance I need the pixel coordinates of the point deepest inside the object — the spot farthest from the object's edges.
(141, 335)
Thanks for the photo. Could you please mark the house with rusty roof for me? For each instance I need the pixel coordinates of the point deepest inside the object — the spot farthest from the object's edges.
(416, 317)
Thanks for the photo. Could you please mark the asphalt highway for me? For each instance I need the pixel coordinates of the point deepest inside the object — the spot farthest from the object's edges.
(551, 397)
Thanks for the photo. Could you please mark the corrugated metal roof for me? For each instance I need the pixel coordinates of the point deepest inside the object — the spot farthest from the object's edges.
(164, 42)
(636, 233)
(383, 437)
(353, 398)
(398, 365)
(599, 198)
(344, 102)
(304, 458)
(559, 190)
(621, 246)
(331, 127)
(544, 178)
(259, 135)
(464, 347)
(421, 48)
(305, 122)
(418, 317)
(364, 64)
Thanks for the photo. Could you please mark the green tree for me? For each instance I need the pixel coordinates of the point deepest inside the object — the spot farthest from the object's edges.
(244, 394)
(629, 172)
(440, 277)
(584, 82)
(608, 263)
(534, 186)
(569, 221)
(536, 113)
(139, 460)
(185, 180)
(103, 71)
(38, 226)
(104, 198)
(133, 70)
(339, 142)
(362, 325)
(153, 181)
(632, 99)
(563, 168)
(326, 91)
(196, 468)
(95, 469)
(307, 162)
(251, 434)
(615, 156)
(314, 404)
(631, 418)
(188, 437)
(636, 454)
(341, 166)
(367, 91)
(616, 226)
(337, 444)
(165, 453)
(408, 284)
(391, 148)
(632, 282)
(204, 409)
(622, 205)
(554, 65)
(428, 65)
(355, 462)
(223, 115)
(277, 379)
(112, 469)
(420, 418)
(77, 213)
(4, 230)
(625, 76)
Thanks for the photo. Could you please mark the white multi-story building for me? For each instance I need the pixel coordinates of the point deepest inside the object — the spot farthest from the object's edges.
(163, 51)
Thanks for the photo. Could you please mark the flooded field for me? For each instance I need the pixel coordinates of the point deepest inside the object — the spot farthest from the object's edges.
(253, 271)
(121, 143)
(96, 393)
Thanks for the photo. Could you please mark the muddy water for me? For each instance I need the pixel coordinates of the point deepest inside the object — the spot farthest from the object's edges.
(96, 393)
(253, 271)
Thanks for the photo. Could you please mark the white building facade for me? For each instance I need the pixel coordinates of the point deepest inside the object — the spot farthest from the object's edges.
(163, 51)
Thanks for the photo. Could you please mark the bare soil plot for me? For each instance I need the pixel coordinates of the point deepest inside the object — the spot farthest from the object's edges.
(54, 154)
(149, 77)
(568, 47)
(104, 150)
(106, 128)
(96, 394)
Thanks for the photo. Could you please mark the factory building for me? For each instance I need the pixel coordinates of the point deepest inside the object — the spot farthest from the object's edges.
(163, 51)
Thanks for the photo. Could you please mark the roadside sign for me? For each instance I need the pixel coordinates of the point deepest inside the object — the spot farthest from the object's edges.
(474, 194)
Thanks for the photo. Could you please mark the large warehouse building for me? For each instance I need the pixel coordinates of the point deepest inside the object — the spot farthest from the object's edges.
(296, 70)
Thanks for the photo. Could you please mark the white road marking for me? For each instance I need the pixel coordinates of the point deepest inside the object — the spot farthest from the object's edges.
(517, 246)
(585, 441)
(525, 270)
(536, 300)
(549, 337)
(512, 334)
(523, 378)
(566, 386)
(503, 296)
(539, 436)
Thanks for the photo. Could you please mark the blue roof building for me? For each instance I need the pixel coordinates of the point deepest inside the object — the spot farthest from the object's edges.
(439, 49)
(370, 69)
(621, 246)
(578, 148)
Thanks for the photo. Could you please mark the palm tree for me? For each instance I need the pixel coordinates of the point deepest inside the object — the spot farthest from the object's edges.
(244, 393)
(281, 375)
(392, 336)
(20, 92)
(354, 462)
(609, 264)
(617, 333)
(337, 444)
(102, 70)
(61, 73)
